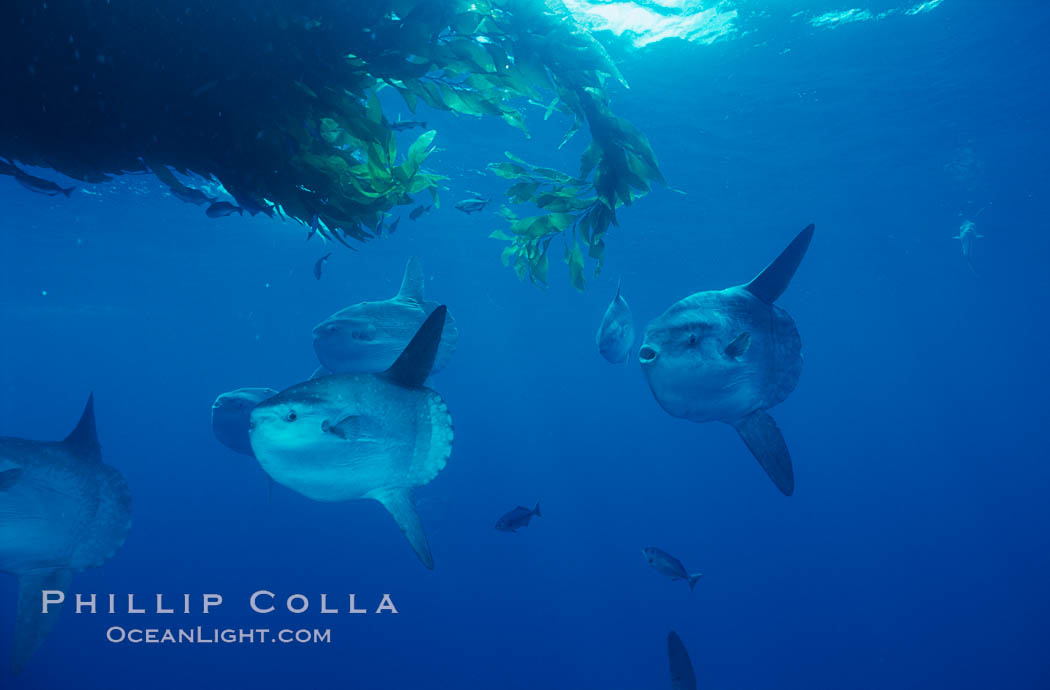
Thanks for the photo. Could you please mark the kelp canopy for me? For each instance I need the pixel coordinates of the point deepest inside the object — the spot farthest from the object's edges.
(277, 100)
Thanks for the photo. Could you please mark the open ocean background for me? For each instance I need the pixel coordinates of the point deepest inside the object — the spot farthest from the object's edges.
(915, 552)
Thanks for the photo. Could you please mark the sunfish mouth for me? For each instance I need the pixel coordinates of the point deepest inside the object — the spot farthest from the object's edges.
(646, 354)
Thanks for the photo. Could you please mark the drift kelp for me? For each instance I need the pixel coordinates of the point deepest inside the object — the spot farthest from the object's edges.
(278, 101)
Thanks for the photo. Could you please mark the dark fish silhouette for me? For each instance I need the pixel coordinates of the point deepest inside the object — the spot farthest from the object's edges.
(223, 208)
(517, 518)
(320, 265)
(393, 226)
(33, 183)
(417, 212)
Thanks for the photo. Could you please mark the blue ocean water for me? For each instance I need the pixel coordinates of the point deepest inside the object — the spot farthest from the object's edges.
(915, 551)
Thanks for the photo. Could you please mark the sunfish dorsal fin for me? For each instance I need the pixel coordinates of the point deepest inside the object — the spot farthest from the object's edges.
(84, 439)
(402, 508)
(773, 280)
(412, 282)
(413, 366)
(682, 675)
(31, 624)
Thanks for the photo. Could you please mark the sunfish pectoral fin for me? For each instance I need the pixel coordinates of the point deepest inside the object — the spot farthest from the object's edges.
(682, 675)
(773, 280)
(739, 345)
(346, 427)
(31, 624)
(415, 362)
(412, 282)
(401, 507)
(766, 443)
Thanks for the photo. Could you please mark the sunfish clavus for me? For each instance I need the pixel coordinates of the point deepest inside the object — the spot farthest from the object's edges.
(728, 356)
(615, 336)
(367, 337)
(349, 436)
(61, 509)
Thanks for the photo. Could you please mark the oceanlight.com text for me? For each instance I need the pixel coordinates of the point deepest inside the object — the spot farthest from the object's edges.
(202, 635)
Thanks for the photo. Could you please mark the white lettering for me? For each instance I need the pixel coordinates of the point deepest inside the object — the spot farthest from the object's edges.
(81, 604)
(386, 605)
(324, 605)
(48, 598)
(132, 609)
(298, 597)
(255, 598)
(113, 633)
(211, 600)
(353, 606)
(160, 605)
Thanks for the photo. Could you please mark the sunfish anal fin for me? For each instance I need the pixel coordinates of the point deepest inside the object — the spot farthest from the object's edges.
(766, 443)
(412, 282)
(415, 362)
(84, 439)
(399, 504)
(773, 280)
(31, 625)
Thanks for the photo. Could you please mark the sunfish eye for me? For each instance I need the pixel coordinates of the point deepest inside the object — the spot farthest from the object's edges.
(291, 416)
(692, 338)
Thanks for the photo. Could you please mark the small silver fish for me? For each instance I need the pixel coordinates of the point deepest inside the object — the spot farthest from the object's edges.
(668, 565)
(968, 238)
(517, 518)
(469, 206)
(402, 125)
(615, 337)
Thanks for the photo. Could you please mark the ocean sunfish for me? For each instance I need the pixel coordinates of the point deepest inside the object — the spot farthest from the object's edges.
(968, 239)
(349, 436)
(728, 356)
(366, 338)
(61, 509)
(682, 675)
(615, 336)
(666, 564)
(231, 413)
